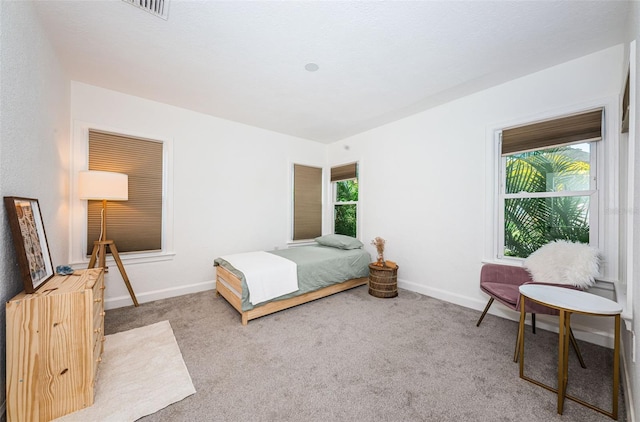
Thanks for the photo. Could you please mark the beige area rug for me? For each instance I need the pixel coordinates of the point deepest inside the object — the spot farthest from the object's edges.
(142, 371)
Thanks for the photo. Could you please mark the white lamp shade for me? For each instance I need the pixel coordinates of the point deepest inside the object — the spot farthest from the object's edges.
(102, 185)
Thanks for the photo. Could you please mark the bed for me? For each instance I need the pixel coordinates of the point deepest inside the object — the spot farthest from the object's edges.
(333, 264)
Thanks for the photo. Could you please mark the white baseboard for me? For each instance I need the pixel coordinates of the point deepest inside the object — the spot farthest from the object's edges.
(581, 332)
(122, 301)
(626, 385)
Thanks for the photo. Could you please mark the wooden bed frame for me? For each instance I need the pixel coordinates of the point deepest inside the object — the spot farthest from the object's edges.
(224, 278)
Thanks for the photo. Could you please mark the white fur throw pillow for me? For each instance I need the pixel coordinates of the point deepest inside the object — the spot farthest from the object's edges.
(563, 262)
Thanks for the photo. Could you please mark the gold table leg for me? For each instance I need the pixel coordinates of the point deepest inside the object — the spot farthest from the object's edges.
(563, 357)
(521, 334)
(564, 335)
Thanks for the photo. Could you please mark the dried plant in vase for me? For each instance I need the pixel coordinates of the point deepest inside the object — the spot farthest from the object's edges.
(379, 242)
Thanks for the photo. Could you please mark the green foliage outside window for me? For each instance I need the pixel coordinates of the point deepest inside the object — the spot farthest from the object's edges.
(345, 215)
(533, 222)
(347, 190)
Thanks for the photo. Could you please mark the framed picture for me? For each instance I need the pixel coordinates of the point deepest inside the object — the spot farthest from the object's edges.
(30, 241)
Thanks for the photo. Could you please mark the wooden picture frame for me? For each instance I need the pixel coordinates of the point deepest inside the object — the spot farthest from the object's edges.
(30, 241)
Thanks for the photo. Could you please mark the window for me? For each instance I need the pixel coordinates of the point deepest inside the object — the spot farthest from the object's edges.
(135, 225)
(344, 184)
(548, 186)
(307, 202)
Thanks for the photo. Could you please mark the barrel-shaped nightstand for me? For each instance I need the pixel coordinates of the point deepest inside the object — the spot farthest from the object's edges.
(383, 281)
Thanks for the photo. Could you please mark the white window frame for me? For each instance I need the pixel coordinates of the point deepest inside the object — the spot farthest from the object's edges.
(592, 192)
(625, 285)
(78, 207)
(607, 157)
(334, 202)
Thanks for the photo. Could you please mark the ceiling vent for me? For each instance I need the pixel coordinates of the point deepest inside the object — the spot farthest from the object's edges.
(159, 8)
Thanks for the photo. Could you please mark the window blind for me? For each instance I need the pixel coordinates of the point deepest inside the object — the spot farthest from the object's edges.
(345, 172)
(576, 128)
(307, 202)
(136, 224)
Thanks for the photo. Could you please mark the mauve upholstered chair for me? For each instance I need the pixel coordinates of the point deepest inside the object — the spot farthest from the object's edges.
(502, 283)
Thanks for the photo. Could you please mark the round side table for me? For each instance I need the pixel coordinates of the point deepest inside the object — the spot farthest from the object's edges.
(568, 302)
(383, 281)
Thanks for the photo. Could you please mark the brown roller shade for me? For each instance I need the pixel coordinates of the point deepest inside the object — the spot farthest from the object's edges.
(583, 127)
(136, 224)
(346, 172)
(307, 202)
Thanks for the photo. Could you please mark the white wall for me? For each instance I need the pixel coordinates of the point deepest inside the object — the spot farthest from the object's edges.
(230, 187)
(426, 183)
(632, 374)
(34, 140)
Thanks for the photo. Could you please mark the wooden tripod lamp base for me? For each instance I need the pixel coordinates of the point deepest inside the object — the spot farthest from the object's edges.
(100, 250)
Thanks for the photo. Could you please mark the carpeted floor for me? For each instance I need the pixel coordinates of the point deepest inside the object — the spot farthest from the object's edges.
(354, 357)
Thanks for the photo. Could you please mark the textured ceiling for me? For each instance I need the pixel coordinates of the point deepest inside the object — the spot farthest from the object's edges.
(379, 61)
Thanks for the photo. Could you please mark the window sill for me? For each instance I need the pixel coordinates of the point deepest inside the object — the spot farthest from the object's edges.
(131, 259)
(621, 298)
(514, 262)
(295, 243)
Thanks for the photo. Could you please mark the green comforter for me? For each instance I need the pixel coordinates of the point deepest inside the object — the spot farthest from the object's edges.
(318, 267)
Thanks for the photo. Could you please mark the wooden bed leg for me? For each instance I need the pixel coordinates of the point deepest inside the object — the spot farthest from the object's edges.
(245, 318)
(218, 293)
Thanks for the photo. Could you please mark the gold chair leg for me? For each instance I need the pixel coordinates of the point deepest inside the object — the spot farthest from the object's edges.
(486, 308)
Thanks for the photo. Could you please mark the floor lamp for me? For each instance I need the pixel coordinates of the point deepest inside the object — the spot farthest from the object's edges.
(105, 186)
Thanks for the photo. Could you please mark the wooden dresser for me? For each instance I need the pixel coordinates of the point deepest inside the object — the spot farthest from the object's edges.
(55, 339)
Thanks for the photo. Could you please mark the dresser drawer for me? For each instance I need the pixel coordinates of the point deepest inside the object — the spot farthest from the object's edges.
(98, 321)
(98, 348)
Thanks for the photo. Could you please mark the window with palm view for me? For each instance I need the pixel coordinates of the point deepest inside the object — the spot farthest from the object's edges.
(547, 195)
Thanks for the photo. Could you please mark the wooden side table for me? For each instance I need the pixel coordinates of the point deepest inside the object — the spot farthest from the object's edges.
(383, 281)
(55, 339)
(567, 302)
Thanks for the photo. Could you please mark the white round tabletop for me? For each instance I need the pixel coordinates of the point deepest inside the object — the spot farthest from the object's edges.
(571, 300)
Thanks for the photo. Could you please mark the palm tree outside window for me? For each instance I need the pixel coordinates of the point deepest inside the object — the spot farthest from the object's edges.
(547, 195)
(548, 182)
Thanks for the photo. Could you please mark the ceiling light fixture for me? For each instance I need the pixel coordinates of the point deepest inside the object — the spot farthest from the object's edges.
(311, 67)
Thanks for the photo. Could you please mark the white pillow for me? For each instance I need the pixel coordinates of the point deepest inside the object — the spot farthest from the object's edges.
(564, 262)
